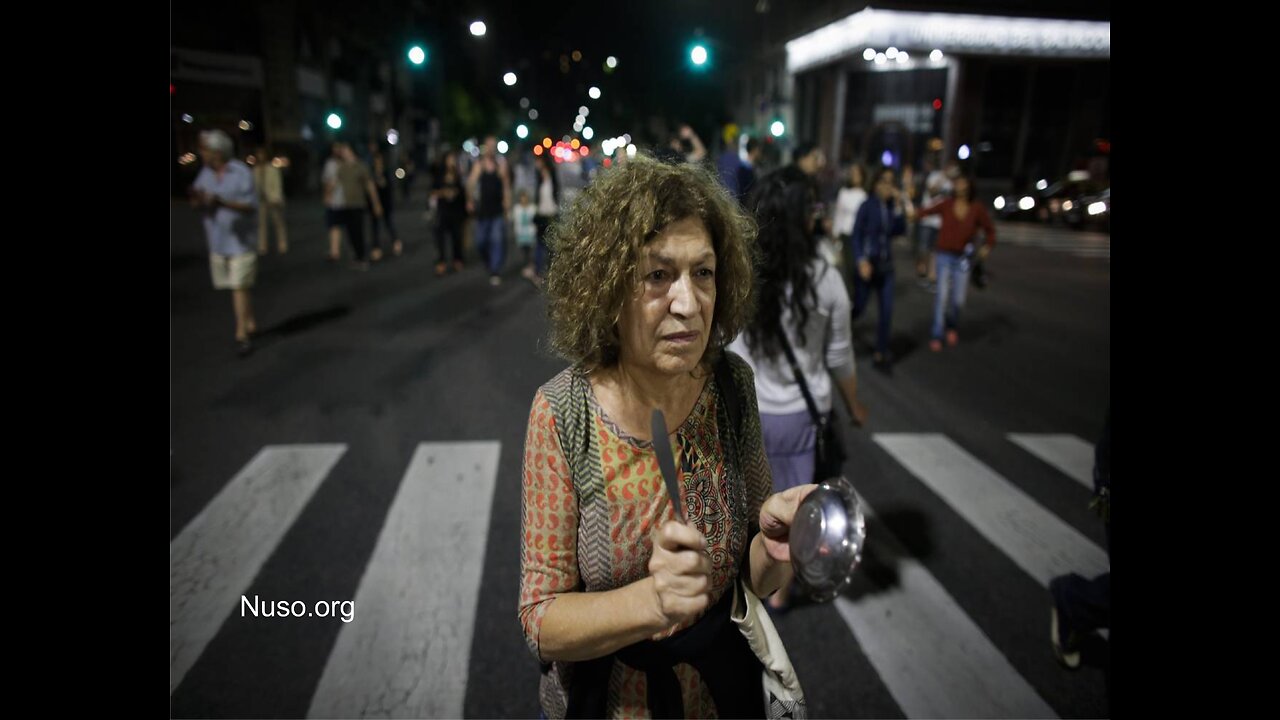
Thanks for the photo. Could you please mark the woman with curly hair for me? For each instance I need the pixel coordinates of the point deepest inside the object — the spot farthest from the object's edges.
(623, 598)
(801, 331)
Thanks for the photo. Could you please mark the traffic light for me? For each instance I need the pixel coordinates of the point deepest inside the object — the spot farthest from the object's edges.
(699, 56)
(418, 55)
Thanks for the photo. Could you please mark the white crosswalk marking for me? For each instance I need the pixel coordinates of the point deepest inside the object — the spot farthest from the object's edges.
(216, 557)
(1068, 453)
(407, 652)
(1035, 539)
(935, 661)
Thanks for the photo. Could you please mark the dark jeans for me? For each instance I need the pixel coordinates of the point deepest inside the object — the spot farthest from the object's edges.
(384, 197)
(881, 282)
(1083, 605)
(491, 240)
(353, 220)
(450, 228)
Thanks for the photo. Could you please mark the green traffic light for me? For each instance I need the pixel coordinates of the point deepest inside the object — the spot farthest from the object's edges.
(417, 55)
(698, 54)
(334, 121)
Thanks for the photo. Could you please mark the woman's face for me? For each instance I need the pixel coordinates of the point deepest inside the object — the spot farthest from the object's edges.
(962, 188)
(884, 185)
(666, 325)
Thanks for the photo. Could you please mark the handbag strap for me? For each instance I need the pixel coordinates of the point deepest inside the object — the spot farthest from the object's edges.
(818, 420)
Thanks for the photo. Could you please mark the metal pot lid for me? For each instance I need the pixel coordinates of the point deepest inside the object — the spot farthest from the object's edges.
(827, 536)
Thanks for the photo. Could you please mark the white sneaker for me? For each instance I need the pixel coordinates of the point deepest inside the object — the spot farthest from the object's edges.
(1070, 659)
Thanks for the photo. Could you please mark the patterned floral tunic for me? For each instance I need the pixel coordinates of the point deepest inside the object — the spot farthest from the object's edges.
(593, 535)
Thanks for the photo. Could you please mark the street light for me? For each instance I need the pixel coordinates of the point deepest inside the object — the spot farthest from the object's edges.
(522, 131)
(594, 92)
(611, 62)
(478, 29)
(509, 78)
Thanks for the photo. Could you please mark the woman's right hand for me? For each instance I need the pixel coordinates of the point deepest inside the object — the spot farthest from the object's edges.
(681, 572)
(864, 269)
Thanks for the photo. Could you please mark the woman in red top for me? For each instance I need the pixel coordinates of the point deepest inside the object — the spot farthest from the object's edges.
(962, 218)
